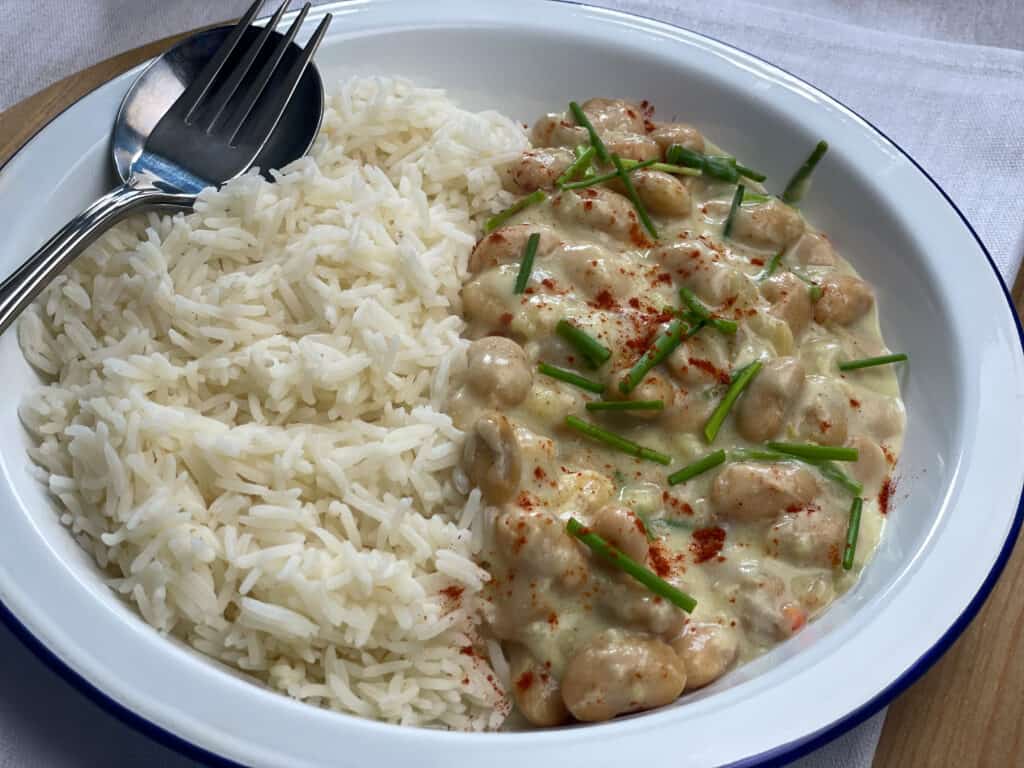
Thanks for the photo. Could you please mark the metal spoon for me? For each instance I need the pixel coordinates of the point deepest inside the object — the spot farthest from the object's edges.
(209, 109)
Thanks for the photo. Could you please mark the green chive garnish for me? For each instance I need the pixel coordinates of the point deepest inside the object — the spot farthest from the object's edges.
(836, 475)
(772, 266)
(594, 352)
(522, 203)
(657, 585)
(870, 362)
(526, 265)
(625, 405)
(739, 383)
(676, 170)
(798, 184)
(755, 198)
(698, 467)
(826, 468)
(815, 452)
(851, 533)
(813, 289)
(723, 168)
(662, 347)
(595, 140)
(612, 440)
(634, 197)
(579, 166)
(733, 209)
(750, 173)
(703, 313)
(592, 180)
(571, 378)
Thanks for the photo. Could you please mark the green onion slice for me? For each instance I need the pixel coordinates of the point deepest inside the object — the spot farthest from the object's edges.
(539, 196)
(797, 186)
(526, 265)
(662, 347)
(648, 578)
(634, 197)
(871, 362)
(592, 180)
(625, 405)
(851, 533)
(739, 383)
(697, 308)
(571, 378)
(676, 170)
(750, 173)
(772, 266)
(579, 166)
(698, 467)
(617, 442)
(815, 452)
(594, 352)
(733, 210)
(595, 141)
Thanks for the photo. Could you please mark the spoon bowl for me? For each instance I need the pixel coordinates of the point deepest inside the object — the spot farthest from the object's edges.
(165, 79)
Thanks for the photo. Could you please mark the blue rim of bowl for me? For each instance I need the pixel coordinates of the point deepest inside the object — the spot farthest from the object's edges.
(777, 756)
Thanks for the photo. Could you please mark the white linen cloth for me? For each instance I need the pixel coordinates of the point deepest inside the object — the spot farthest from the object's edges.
(943, 78)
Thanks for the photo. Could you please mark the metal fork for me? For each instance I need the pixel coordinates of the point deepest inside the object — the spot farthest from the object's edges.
(213, 132)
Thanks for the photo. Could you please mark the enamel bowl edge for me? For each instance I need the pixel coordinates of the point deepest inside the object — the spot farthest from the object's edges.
(957, 509)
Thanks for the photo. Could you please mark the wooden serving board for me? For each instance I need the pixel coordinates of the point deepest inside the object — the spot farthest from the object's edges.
(968, 710)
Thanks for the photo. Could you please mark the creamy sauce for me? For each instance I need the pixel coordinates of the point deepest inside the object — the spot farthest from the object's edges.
(758, 545)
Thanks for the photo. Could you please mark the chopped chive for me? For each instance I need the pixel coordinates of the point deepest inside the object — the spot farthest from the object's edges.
(826, 468)
(750, 173)
(871, 362)
(758, 454)
(801, 179)
(571, 378)
(617, 442)
(813, 289)
(498, 219)
(657, 585)
(815, 452)
(851, 533)
(526, 265)
(723, 168)
(733, 209)
(836, 475)
(680, 155)
(634, 197)
(591, 181)
(698, 467)
(755, 197)
(580, 165)
(595, 141)
(625, 405)
(678, 170)
(662, 347)
(739, 383)
(593, 351)
(701, 312)
(772, 266)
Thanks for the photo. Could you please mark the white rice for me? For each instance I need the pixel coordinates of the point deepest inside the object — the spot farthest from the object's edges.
(242, 416)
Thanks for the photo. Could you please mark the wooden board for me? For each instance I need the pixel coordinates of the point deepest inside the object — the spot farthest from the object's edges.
(968, 710)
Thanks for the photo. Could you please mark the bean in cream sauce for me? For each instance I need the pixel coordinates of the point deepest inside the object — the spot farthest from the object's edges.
(757, 544)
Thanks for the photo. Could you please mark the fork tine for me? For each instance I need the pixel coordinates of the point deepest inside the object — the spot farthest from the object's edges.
(220, 101)
(291, 80)
(197, 89)
(252, 94)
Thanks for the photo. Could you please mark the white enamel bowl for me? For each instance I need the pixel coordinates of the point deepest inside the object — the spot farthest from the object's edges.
(955, 515)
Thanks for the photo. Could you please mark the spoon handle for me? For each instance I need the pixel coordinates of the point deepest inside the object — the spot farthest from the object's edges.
(29, 280)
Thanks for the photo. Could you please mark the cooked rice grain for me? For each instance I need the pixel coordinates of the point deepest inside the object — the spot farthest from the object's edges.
(242, 417)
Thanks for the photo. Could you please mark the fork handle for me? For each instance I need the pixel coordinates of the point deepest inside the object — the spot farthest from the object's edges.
(29, 280)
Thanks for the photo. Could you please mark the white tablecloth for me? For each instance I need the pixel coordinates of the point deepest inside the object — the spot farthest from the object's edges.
(942, 78)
